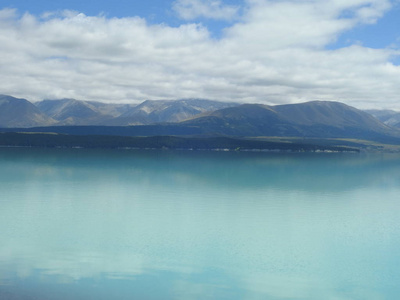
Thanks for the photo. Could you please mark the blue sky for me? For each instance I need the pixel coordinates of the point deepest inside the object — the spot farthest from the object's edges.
(383, 33)
(264, 51)
(116, 8)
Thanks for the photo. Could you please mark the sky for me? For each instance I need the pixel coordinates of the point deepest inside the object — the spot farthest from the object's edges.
(251, 51)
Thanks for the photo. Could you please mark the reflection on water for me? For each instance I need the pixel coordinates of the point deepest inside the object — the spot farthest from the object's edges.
(91, 224)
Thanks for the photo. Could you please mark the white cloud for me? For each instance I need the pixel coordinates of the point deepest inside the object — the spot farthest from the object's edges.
(303, 23)
(277, 53)
(212, 9)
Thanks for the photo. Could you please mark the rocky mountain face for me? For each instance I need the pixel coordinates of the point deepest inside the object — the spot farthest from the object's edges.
(75, 112)
(171, 111)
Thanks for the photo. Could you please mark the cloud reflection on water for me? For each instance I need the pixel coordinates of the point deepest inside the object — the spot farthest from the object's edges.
(202, 225)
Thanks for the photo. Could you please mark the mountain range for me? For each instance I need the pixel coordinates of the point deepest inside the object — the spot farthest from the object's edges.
(195, 117)
(16, 112)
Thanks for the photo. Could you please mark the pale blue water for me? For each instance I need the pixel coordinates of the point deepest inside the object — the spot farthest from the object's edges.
(99, 224)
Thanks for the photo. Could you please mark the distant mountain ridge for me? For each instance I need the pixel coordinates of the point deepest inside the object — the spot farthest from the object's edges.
(389, 117)
(195, 117)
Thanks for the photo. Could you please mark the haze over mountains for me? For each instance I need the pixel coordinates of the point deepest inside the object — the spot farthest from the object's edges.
(389, 117)
(319, 119)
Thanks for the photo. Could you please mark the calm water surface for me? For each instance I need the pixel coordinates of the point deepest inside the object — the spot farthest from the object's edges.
(99, 224)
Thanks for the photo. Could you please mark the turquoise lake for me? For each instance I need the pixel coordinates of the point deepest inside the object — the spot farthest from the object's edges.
(130, 224)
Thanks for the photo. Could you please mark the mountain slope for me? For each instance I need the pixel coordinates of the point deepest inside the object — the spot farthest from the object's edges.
(333, 118)
(326, 113)
(245, 120)
(16, 112)
(389, 117)
(310, 119)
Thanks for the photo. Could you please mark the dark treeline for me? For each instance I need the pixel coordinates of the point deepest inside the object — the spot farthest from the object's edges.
(48, 140)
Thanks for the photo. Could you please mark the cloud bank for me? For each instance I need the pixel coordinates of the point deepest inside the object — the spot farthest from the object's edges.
(276, 52)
